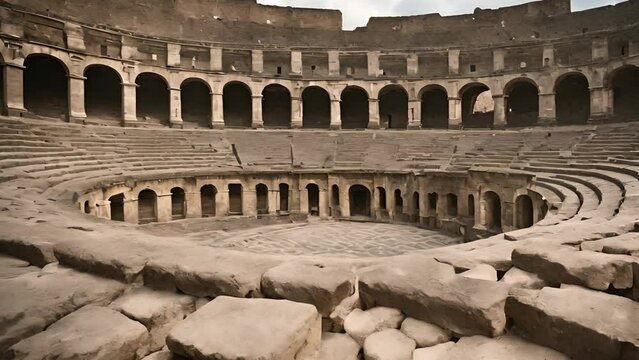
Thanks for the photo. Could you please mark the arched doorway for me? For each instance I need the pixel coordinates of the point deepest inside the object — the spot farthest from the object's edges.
(235, 199)
(451, 202)
(478, 107)
(195, 97)
(399, 202)
(336, 211)
(354, 108)
(524, 213)
(359, 200)
(416, 212)
(522, 103)
(316, 108)
(313, 199)
(492, 211)
(382, 198)
(207, 200)
(471, 205)
(238, 105)
(261, 192)
(393, 107)
(102, 93)
(147, 206)
(276, 107)
(178, 203)
(87, 207)
(46, 86)
(117, 207)
(625, 87)
(572, 97)
(152, 98)
(283, 198)
(434, 108)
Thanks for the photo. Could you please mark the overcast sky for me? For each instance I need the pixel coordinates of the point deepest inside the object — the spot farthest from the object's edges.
(356, 12)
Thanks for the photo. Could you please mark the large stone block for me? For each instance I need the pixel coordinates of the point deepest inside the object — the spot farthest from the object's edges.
(502, 348)
(338, 346)
(248, 329)
(360, 324)
(389, 344)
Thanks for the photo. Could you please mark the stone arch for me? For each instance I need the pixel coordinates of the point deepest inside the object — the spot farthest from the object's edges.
(178, 203)
(237, 104)
(208, 194)
(313, 192)
(451, 205)
(393, 107)
(116, 204)
(478, 107)
(492, 211)
(147, 206)
(524, 212)
(572, 99)
(354, 108)
(276, 106)
(235, 199)
(261, 194)
(624, 82)
(152, 98)
(434, 100)
(359, 200)
(521, 102)
(195, 98)
(399, 201)
(316, 108)
(102, 92)
(46, 86)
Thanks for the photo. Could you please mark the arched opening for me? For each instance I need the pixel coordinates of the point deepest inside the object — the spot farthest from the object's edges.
(432, 203)
(87, 207)
(335, 207)
(207, 200)
(178, 203)
(313, 199)
(492, 211)
(261, 192)
(393, 107)
(46, 86)
(382, 198)
(471, 205)
(478, 106)
(625, 87)
(283, 198)
(276, 107)
(359, 200)
(451, 205)
(354, 108)
(102, 93)
(238, 105)
(235, 199)
(434, 108)
(195, 97)
(416, 205)
(572, 96)
(524, 213)
(117, 207)
(522, 103)
(399, 202)
(152, 98)
(316, 108)
(147, 206)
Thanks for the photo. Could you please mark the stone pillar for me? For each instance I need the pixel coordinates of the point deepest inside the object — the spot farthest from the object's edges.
(414, 114)
(453, 62)
(336, 116)
(193, 204)
(257, 61)
(76, 99)
(600, 103)
(129, 116)
(547, 114)
(500, 111)
(303, 201)
(293, 201)
(216, 59)
(296, 112)
(373, 63)
(217, 112)
(333, 63)
(273, 201)
(14, 89)
(175, 117)
(296, 63)
(130, 211)
(454, 113)
(390, 202)
(103, 209)
(344, 201)
(257, 122)
(373, 113)
(412, 65)
(249, 201)
(222, 202)
(323, 204)
(507, 216)
(164, 211)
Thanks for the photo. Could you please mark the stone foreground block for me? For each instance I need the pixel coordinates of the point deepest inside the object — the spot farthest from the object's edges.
(248, 329)
(502, 348)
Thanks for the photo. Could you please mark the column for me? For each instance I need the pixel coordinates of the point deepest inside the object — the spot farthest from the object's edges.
(103, 209)
(507, 216)
(344, 201)
(249, 201)
(14, 89)
(373, 63)
(296, 62)
(129, 117)
(303, 201)
(273, 201)
(131, 211)
(500, 111)
(257, 122)
(333, 63)
(222, 202)
(453, 62)
(293, 200)
(323, 204)
(600, 103)
(76, 99)
(373, 113)
(193, 204)
(414, 114)
(547, 116)
(296, 113)
(217, 112)
(164, 211)
(336, 115)
(175, 118)
(454, 113)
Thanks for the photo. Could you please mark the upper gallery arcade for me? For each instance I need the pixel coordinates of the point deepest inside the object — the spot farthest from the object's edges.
(223, 63)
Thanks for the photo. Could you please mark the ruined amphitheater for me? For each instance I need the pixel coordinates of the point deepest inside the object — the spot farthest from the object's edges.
(221, 179)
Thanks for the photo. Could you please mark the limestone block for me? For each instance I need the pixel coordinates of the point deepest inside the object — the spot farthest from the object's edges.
(315, 284)
(582, 323)
(338, 346)
(437, 352)
(360, 324)
(91, 333)
(248, 329)
(389, 344)
(423, 333)
(516, 277)
(502, 348)
(481, 272)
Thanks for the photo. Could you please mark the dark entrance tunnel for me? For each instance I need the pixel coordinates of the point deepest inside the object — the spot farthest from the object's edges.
(46, 89)
(152, 98)
(316, 108)
(354, 108)
(276, 107)
(195, 96)
(102, 93)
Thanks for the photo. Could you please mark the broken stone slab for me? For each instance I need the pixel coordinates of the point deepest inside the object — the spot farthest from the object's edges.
(389, 344)
(158, 311)
(565, 265)
(248, 329)
(423, 333)
(434, 294)
(624, 244)
(516, 277)
(360, 324)
(579, 322)
(31, 302)
(481, 272)
(312, 283)
(91, 333)
(338, 346)
(506, 347)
